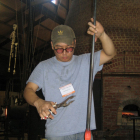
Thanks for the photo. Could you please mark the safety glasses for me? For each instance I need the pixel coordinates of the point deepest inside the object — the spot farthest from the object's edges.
(61, 50)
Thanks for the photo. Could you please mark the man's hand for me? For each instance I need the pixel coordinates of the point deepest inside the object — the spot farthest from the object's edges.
(98, 30)
(44, 108)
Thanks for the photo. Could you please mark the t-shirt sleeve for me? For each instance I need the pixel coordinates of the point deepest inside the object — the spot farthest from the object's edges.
(97, 66)
(37, 76)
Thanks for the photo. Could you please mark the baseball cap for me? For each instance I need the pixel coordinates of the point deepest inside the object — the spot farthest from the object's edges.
(63, 34)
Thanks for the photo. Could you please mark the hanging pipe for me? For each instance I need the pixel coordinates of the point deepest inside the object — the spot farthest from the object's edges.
(88, 132)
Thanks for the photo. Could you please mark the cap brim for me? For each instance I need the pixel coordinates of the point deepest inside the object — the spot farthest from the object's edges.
(67, 41)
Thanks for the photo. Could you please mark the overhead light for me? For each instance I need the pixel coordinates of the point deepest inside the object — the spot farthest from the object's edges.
(54, 1)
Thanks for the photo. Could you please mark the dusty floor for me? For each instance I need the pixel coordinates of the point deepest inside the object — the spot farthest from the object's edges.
(12, 138)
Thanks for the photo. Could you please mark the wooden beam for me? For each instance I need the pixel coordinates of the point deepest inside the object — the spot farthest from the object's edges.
(59, 4)
(4, 52)
(40, 20)
(1, 37)
(6, 24)
(40, 39)
(53, 16)
(34, 3)
(62, 5)
(47, 46)
(47, 14)
(4, 42)
(12, 18)
(45, 27)
(7, 7)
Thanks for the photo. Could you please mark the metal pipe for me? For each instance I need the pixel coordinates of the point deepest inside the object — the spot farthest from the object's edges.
(88, 132)
(133, 118)
(133, 129)
(91, 74)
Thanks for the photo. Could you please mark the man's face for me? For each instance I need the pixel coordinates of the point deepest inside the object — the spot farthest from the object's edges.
(63, 55)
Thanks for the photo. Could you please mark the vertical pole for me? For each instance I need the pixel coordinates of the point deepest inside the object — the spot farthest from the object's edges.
(88, 132)
(133, 128)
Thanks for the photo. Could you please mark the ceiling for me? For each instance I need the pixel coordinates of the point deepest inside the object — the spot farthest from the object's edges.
(37, 18)
(46, 15)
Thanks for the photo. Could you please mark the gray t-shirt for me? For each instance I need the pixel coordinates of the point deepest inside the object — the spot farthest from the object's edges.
(52, 74)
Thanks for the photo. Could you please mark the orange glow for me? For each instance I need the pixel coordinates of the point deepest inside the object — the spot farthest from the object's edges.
(6, 112)
(130, 113)
(127, 113)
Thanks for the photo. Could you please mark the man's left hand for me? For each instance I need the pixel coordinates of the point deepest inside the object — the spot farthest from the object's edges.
(98, 30)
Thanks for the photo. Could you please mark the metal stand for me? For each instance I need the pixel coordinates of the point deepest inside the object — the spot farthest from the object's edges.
(134, 118)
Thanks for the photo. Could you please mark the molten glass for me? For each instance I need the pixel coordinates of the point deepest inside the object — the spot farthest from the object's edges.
(88, 135)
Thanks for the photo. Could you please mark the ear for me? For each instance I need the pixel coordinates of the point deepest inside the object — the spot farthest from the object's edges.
(75, 43)
(52, 45)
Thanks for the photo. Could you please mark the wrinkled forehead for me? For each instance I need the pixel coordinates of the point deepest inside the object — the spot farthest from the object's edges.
(62, 44)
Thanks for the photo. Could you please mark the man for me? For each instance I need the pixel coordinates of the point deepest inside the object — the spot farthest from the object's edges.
(67, 70)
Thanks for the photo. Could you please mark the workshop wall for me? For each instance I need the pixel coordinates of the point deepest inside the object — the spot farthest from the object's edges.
(116, 91)
(121, 22)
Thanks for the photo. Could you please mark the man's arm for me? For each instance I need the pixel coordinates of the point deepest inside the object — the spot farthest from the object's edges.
(29, 93)
(41, 105)
(108, 51)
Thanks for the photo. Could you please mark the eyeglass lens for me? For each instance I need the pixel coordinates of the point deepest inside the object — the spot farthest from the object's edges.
(61, 50)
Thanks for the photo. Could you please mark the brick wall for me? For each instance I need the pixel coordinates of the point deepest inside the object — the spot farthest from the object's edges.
(121, 21)
(115, 93)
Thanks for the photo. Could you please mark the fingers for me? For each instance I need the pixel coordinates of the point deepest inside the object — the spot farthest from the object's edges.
(46, 110)
(92, 30)
(91, 25)
(92, 20)
(46, 115)
(52, 108)
(49, 116)
(97, 30)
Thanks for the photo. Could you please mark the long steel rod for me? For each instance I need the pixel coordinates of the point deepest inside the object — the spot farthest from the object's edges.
(133, 129)
(91, 74)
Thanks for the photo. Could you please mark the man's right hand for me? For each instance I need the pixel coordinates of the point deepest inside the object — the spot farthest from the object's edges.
(44, 108)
